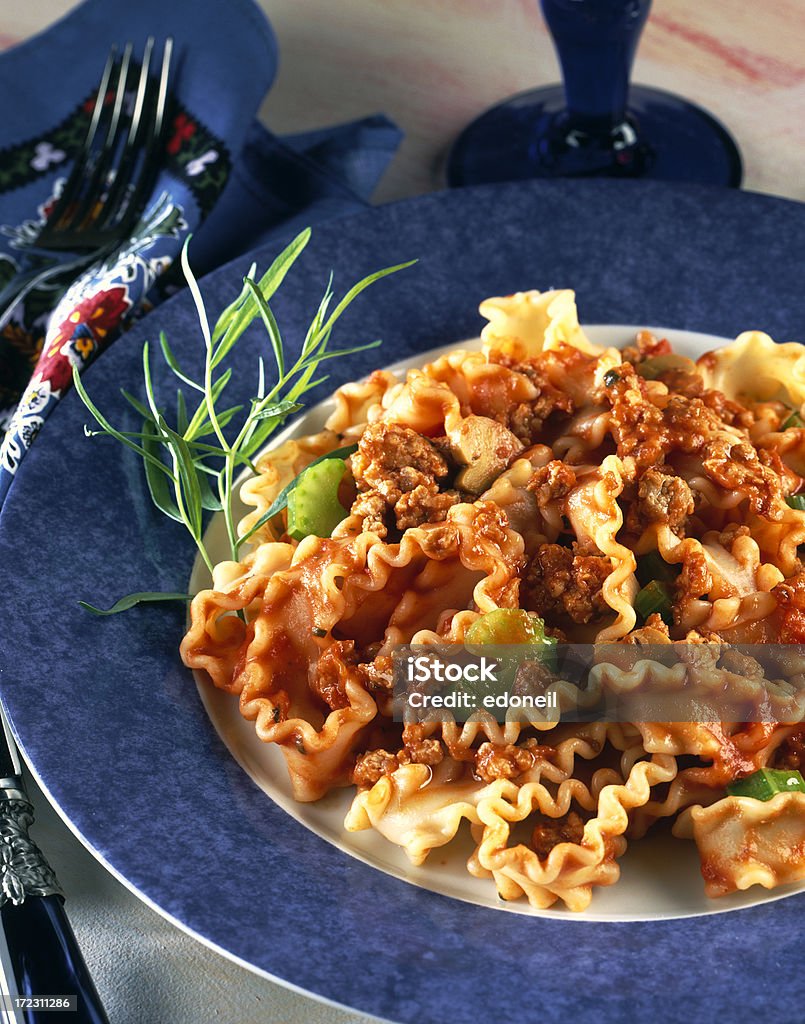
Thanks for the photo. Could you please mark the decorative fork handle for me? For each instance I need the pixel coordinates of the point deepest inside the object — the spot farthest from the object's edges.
(42, 956)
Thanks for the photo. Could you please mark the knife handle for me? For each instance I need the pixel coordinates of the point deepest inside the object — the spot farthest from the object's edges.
(45, 960)
(41, 956)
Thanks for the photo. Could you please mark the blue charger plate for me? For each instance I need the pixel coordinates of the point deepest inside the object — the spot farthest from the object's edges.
(110, 719)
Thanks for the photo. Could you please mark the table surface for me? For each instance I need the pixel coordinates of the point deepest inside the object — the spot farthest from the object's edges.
(432, 67)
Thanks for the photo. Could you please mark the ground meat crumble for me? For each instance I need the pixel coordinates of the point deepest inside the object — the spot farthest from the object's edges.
(645, 347)
(566, 582)
(372, 766)
(553, 481)
(418, 749)
(526, 420)
(647, 427)
(552, 831)
(790, 597)
(502, 761)
(398, 473)
(663, 498)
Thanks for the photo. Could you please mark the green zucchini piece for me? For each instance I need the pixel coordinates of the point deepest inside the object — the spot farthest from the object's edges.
(313, 505)
(508, 626)
(793, 421)
(796, 501)
(766, 783)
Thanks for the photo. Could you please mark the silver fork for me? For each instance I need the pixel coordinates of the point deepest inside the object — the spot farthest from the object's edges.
(111, 180)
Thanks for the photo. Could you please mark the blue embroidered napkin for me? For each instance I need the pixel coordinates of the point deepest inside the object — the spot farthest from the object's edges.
(226, 179)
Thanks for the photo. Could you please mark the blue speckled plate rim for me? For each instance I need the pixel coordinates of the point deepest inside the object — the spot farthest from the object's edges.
(110, 719)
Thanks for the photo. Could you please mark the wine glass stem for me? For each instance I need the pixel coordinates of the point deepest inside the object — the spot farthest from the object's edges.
(596, 42)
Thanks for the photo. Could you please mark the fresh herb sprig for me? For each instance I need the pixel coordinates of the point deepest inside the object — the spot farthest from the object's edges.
(190, 467)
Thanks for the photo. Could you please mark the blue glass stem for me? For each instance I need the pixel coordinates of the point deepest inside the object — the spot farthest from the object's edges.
(595, 124)
(596, 42)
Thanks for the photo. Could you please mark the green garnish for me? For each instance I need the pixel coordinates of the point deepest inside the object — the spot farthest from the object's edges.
(794, 420)
(123, 605)
(655, 597)
(508, 626)
(766, 783)
(188, 475)
(313, 505)
(796, 501)
(281, 500)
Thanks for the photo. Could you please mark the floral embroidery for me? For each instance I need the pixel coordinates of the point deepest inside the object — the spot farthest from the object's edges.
(17, 167)
(24, 234)
(12, 449)
(45, 154)
(80, 347)
(100, 313)
(183, 129)
(37, 395)
(27, 421)
(195, 167)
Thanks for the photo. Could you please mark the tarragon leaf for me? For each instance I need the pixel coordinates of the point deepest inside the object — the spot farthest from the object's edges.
(268, 284)
(158, 486)
(178, 464)
(130, 600)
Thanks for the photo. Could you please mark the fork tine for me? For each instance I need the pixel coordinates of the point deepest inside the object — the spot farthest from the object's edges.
(127, 162)
(141, 89)
(120, 95)
(97, 182)
(162, 97)
(152, 152)
(72, 186)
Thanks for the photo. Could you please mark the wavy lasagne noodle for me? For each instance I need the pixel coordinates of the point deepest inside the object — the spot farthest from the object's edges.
(535, 474)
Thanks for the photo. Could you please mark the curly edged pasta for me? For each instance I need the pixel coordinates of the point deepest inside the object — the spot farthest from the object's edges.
(621, 496)
(745, 842)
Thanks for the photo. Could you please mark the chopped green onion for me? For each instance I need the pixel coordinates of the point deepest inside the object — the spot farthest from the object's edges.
(794, 420)
(655, 597)
(766, 783)
(313, 505)
(796, 501)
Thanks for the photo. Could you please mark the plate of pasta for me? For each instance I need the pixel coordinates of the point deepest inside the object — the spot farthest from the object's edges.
(549, 483)
(543, 470)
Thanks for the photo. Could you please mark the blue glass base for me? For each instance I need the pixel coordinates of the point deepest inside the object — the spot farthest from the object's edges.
(531, 136)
